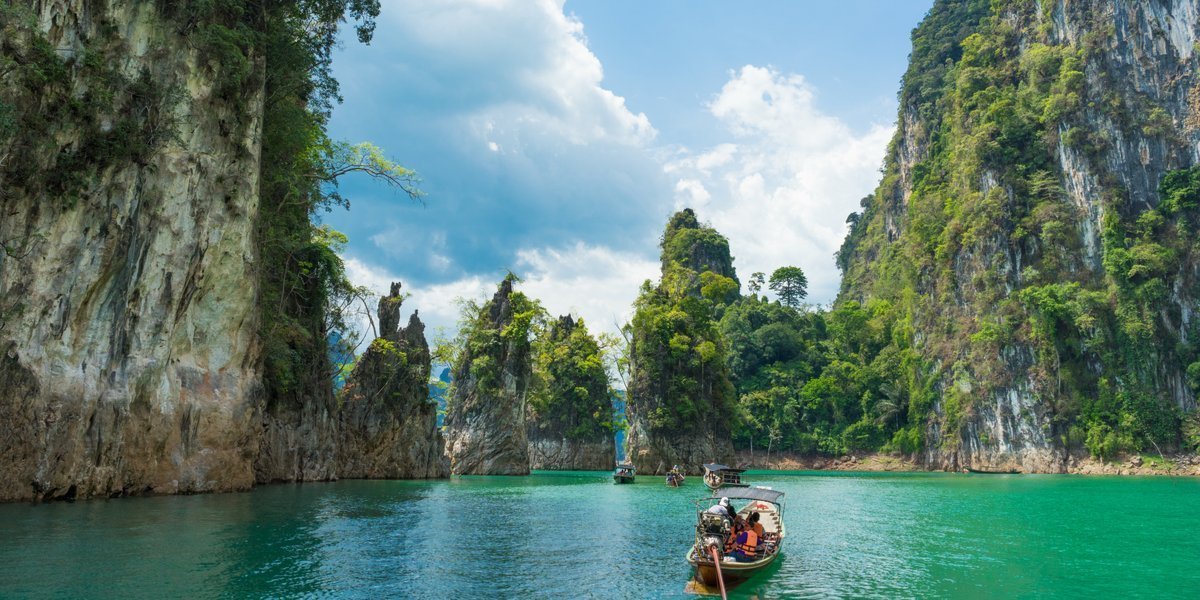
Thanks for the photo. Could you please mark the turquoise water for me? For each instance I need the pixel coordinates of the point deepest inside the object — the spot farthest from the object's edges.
(576, 535)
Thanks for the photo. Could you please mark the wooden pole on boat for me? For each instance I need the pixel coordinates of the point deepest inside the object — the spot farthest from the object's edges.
(717, 564)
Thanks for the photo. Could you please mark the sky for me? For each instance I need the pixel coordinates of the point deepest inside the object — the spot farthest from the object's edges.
(554, 139)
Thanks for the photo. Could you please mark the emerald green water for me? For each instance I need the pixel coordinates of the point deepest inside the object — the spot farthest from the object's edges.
(577, 535)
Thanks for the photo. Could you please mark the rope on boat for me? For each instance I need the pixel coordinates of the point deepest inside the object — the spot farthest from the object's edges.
(717, 563)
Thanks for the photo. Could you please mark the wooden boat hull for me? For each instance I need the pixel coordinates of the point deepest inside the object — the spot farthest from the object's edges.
(731, 571)
(623, 478)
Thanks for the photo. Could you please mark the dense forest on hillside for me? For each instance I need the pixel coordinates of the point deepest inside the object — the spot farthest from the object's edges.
(1016, 249)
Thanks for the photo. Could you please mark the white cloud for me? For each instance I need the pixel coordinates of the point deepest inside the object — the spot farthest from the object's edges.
(518, 67)
(782, 189)
(593, 282)
(692, 193)
(436, 304)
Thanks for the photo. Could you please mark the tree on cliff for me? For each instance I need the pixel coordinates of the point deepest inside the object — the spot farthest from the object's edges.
(790, 284)
(492, 366)
(304, 289)
(679, 389)
(570, 396)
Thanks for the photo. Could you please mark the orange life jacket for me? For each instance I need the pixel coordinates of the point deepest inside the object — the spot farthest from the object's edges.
(733, 534)
(758, 528)
(751, 545)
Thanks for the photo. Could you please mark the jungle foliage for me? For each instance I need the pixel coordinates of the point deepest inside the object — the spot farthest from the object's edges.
(570, 395)
(992, 102)
(679, 380)
(560, 366)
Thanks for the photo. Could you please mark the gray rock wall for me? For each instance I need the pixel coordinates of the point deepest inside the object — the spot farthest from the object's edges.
(128, 353)
(388, 425)
(485, 419)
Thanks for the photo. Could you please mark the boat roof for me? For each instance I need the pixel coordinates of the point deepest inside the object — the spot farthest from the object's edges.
(721, 467)
(749, 493)
(624, 465)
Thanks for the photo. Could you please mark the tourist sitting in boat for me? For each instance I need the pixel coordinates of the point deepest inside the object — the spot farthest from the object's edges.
(745, 548)
(724, 508)
(755, 525)
(739, 525)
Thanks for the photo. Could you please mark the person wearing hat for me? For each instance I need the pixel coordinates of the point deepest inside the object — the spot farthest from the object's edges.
(724, 508)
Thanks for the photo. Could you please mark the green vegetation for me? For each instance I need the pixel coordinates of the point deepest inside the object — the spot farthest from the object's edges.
(570, 396)
(979, 254)
(493, 337)
(560, 366)
(790, 284)
(823, 382)
(73, 116)
(679, 380)
(305, 293)
(109, 118)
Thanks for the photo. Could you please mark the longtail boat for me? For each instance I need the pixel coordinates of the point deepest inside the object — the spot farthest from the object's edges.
(717, 476)
(675, 477)
(713, 531)
(625, 473)
(991, 471)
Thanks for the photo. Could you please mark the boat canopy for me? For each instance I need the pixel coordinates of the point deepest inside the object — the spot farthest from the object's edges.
(749, 493)
(624, 465)
(714, 467)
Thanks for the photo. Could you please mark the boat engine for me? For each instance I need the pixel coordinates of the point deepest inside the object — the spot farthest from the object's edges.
(712, 530)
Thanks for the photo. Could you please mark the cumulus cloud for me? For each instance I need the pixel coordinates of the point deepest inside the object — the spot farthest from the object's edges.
(593, 282)
(501, 107)
(782, 188)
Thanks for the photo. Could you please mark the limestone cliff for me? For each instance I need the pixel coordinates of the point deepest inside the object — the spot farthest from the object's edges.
(570, 417)
(136, 167)
(388, 425)
(128, 360)
(485, 415)
(680, 399)
(1035, 231)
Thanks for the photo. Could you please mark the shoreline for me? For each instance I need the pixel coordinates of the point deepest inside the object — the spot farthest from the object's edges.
(1180, 465)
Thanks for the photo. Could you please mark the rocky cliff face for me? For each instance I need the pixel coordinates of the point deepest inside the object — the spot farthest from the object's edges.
(1029, 226)
(485, 416)
(131, 294)
(570, 413)
(129, 361)
(681, 402)
(388, 425)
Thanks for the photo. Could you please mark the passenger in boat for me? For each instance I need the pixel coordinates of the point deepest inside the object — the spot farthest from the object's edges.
(739, 525)
(745, 549)
(724, 508)
(755, 525)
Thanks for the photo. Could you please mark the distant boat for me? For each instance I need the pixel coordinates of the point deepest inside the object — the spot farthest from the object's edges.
(713, 530)
(674, 477)
(992, 471)
(625, 473)
(717, 476)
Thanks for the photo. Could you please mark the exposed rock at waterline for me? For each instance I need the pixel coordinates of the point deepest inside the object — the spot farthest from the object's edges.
(388, 425)
(485, 414)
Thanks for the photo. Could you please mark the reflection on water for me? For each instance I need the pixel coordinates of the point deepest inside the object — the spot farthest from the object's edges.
(578, 535)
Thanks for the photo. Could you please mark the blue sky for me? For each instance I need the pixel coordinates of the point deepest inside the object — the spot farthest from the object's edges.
(554, 140)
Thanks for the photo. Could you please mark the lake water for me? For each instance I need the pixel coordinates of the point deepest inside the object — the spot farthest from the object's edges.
(576, 535)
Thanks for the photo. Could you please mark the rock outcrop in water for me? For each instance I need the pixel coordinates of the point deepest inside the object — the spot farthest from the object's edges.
(138, 205)
(388, 425)
(1035, 232)
(485, 415)
(680, 400)
(570, 418)
(128, 356)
